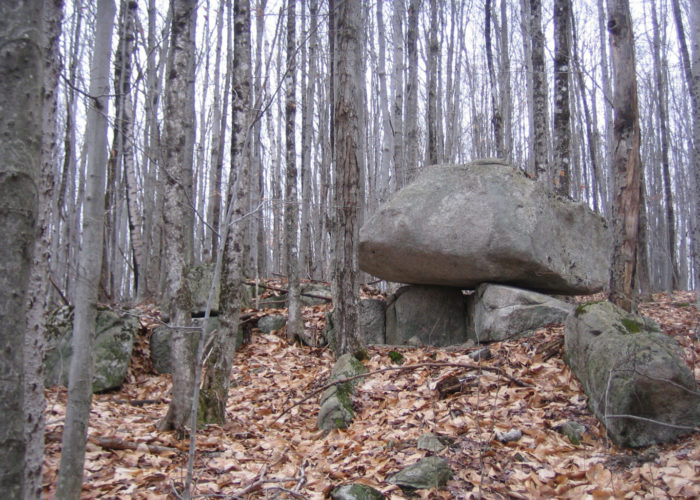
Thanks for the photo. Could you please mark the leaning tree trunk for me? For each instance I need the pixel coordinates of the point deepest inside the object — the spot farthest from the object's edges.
(348, 95)
(20, 153)
(178, 169)
(627, 165)
(70, 476)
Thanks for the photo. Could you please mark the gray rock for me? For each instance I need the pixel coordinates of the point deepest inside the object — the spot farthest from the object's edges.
(627, 366)
(435, 315)
(498, 312)
(271, 322)
(430, 472)
(198, 281)
(336, 402)
(372, 320)
(159, 343)
(114, 342)
(356, 492)
(431, 442)
(317, 289)
(573, 430)
(462, 225)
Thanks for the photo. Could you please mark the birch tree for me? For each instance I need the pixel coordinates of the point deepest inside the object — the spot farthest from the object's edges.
(20, 149)
(626, 166)
(75, 429)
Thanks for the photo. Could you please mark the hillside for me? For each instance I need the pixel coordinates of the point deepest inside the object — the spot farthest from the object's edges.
(265, 452)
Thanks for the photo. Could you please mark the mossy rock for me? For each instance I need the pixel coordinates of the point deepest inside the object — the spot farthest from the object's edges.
(356, 492)
(428, 473)
(336, 402)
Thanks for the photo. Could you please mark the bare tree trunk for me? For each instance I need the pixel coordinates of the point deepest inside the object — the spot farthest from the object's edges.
(215, 387)
(411, 104)
(626, 165)
(37, 292)
(347, 62)
(540, 149)
(383, 185)
(70, 476)
(496, 118)
(504, 84)
(21, 66)
(607, 102)
(291, 211)
(432, 156)
(562, 114)
(178, 205)
(695, 94)
(662, 121)
(400, 166)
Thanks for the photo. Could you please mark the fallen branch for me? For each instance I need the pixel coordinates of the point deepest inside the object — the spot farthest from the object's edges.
(118, 444)
(492, 369)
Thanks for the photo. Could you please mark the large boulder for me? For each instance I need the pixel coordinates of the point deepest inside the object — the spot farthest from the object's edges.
(498, 312)
(114, 342)
(462, 225)
(432, 315)
(636, 381)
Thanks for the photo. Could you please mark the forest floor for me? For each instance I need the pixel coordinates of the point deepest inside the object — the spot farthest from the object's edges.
(264, 452)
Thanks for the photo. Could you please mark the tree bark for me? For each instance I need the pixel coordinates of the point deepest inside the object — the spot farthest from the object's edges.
(496, 117)
(37, 303)
(21, 66)
(291, 210)
(432, 156)
(397, 121)
(349, 78)
(178, 179)
(214, 393)
(81, 365)
(695, 94)
(411, 105)
(539, 142)
(562, 114)
(626, 166)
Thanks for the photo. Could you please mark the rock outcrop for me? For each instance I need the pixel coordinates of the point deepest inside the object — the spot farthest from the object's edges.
(463, 225)
(637, 383)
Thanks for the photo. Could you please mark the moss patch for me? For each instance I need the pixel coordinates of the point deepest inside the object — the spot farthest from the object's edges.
(581, 308)
(632, 325)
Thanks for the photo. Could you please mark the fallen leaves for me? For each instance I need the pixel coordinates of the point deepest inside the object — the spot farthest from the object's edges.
(257, 455)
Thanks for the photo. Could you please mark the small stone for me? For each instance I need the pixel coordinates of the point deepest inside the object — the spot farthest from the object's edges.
(511, 435)
(356, 492)
(430, 472)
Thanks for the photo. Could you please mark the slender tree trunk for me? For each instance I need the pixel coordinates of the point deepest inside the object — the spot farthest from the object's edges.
(411, 104)
(81, 365)
(291, 212)
(178, 205)
(540, 149)
(347, 62)
(383, 177)
(526, 34)
(21, 66)
(562, 114)
(695, 94)
(214, 393)
(626, 165)
(662, 120)
(400, 166)
(607, 101)
(432, 156)
(496, 117)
